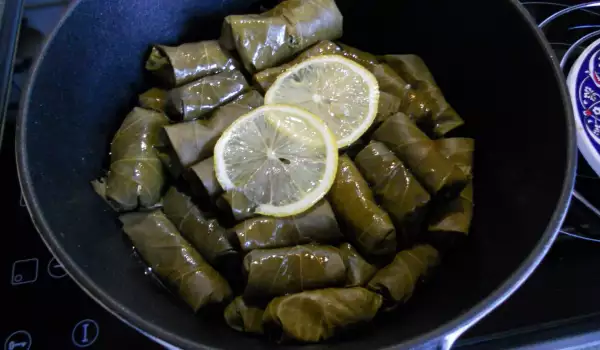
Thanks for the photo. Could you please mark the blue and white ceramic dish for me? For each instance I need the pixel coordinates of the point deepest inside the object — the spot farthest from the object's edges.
(584, 87)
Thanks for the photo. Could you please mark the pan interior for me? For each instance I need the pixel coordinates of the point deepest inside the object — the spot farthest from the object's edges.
(493, 70)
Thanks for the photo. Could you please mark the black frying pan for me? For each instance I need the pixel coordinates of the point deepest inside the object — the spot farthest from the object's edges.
(489, 59)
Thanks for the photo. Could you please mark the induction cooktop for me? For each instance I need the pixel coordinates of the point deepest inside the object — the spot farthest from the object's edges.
(558, 307)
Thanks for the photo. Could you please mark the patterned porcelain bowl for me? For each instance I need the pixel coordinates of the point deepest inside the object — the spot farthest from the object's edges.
(584, 86)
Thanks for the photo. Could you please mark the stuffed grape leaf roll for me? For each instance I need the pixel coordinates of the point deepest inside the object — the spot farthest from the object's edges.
(366, 225)
(359, 270)
(267, 77)
(195, 140)
(414, 103)
(198, 98)
(458, 150)
(237, 205)
(271, 38)
(206, 235)
(280, 271)
(155, 99)
(397, 281)
(363, 58)
(203, 180)
(189, 139)
(170, 161)
(316, 225)
(174, 260)
(177, 65)
(243, 317)
(419, 153)
(428, 108)
(441, 118)
(451, 221)
(135, 177)
(452, 218)
(412, 68)
(391, 83)
(388, 105)
(398, 191)
(319, 314)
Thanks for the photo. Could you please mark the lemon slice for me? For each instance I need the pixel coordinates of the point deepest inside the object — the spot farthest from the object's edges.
(341, 92)
(282, 158)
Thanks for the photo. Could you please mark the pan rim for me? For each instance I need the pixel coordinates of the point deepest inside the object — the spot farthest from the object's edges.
(445, 334)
